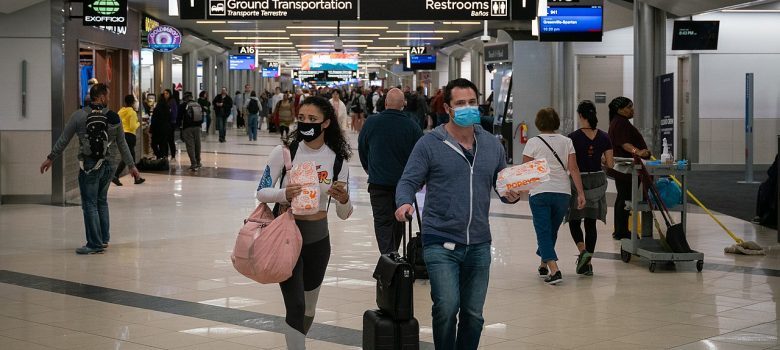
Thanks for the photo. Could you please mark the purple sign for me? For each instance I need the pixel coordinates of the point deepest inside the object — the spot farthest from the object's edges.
(164, 38)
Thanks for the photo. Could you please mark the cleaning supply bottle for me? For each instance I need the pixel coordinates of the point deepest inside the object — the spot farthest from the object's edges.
(666, 157)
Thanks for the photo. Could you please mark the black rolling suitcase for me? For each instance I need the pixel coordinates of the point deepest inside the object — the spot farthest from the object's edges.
(393, 326)
(394, 281)
(380, 332)
(415, 251)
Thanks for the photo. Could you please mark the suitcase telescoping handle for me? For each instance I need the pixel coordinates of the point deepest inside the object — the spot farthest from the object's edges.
(409, 220)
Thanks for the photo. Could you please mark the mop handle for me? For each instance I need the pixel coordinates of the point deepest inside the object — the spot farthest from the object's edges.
(699, 203)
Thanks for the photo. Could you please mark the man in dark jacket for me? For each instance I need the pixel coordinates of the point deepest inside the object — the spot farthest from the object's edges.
(95, 172)
(192, 119)
(385, 143)
(222, 106)
(459, 163)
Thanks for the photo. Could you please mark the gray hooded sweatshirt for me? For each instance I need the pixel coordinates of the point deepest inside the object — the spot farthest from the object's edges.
(458, 195)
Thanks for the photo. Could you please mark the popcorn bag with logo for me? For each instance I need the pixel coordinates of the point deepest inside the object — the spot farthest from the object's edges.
(308, 202)
(523, 177)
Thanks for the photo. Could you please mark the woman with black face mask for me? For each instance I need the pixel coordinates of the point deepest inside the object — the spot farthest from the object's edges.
(318, 138)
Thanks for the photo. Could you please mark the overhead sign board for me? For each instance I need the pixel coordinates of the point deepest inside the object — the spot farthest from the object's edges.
(324, 76)
(270, 9)
(348, 9)
(164, 38)
(105, 13)
(497, 53)
(435, 9)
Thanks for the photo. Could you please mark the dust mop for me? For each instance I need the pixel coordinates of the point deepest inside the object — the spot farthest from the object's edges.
(741, 246)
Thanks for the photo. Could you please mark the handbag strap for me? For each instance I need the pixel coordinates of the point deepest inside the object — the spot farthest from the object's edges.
(554, 153)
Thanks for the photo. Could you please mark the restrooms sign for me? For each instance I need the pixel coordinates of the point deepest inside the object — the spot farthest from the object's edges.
(282, 9)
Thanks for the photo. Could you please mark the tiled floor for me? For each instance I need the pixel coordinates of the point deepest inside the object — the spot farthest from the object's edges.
(172, 238)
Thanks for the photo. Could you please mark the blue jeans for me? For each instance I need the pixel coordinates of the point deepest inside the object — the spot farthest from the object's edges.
(459, 283)
(222, 127)
(548, 210)
(252, 125)
(94, 202)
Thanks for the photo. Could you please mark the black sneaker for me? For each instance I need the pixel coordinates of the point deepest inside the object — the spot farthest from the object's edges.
(543, 272)
(583, 261)
(139, 180)
(116, 181)
(554, 278)
(589, 271)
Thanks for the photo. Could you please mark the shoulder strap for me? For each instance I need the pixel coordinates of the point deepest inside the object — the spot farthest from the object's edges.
(554, 153)
(288, 153)
(337, 164)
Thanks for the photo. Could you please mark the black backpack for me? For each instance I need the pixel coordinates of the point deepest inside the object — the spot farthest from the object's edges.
(253, 107)
(370, 104)
(380, 104)
(97, 134)
(356, 108)
(411, 103)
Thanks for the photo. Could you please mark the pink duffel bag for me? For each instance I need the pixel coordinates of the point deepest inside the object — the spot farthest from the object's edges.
(267, 249)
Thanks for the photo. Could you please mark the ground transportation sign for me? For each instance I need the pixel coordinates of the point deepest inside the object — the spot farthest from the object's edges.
(368, 9)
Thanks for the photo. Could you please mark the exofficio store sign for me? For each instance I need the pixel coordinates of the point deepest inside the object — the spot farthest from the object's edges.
(105, 13)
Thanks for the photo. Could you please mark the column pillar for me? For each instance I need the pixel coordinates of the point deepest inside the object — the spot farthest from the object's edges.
(163, 79)
(649, 62)
(563, 95)
(190, 72)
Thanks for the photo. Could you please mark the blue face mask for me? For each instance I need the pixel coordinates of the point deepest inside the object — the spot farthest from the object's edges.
(466, 116)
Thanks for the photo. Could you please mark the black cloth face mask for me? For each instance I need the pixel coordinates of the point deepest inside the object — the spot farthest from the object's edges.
(309, 131)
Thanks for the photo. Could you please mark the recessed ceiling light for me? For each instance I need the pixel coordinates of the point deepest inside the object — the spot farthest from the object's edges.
(314, 45)
(423, 31)
(463, 23)
(348, 41)
(256, 38)
(388, 48)
(410, 38)
(247, 31)
(335, 27)
(355, 45)
(262, 43)
(407, 22)
(210, 22)
(332, 34)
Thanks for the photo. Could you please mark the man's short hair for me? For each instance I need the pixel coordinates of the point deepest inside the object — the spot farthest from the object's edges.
(547, 119)
(461, 83)
(98, 90)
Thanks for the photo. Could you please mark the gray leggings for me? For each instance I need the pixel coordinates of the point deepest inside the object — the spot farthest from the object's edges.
(302, 289)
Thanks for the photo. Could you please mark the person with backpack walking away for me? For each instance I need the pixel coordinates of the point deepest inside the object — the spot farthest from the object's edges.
(284, 114)
(160, 127)
(384, 146)
(550, 200)
(190, 133)
(205, 104)
(97, 128)
(592, 147)
(459, 163)
(253, 109)
(317, 139)
(357, 106)
(130, 124)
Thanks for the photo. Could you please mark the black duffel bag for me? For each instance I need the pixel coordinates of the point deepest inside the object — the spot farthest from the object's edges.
(149, 164)
(394, 284)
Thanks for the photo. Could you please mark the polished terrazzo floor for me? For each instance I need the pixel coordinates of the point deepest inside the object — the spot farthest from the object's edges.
(166, 281)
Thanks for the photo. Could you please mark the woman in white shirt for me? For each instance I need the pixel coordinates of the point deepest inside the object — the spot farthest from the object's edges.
(340, 108)
(550, 200)
(318, 138)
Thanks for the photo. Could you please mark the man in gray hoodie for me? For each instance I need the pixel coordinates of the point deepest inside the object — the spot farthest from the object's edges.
(459, 162)
(96, 173)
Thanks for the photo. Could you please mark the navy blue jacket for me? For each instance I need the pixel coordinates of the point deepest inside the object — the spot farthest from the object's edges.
(384, 145)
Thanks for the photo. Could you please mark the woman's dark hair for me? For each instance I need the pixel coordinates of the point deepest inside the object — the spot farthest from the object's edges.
(588, 111)
(617, 104)
(334, 137)
(98, 90)
(202, 94)
(253, 94)
(129, 100)
(547, 119)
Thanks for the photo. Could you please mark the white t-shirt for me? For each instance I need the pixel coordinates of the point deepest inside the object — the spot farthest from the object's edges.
(268, 190)
(559, 177)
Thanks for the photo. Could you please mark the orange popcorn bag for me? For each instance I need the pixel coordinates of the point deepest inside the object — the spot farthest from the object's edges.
(308, 202)
(523, 177)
